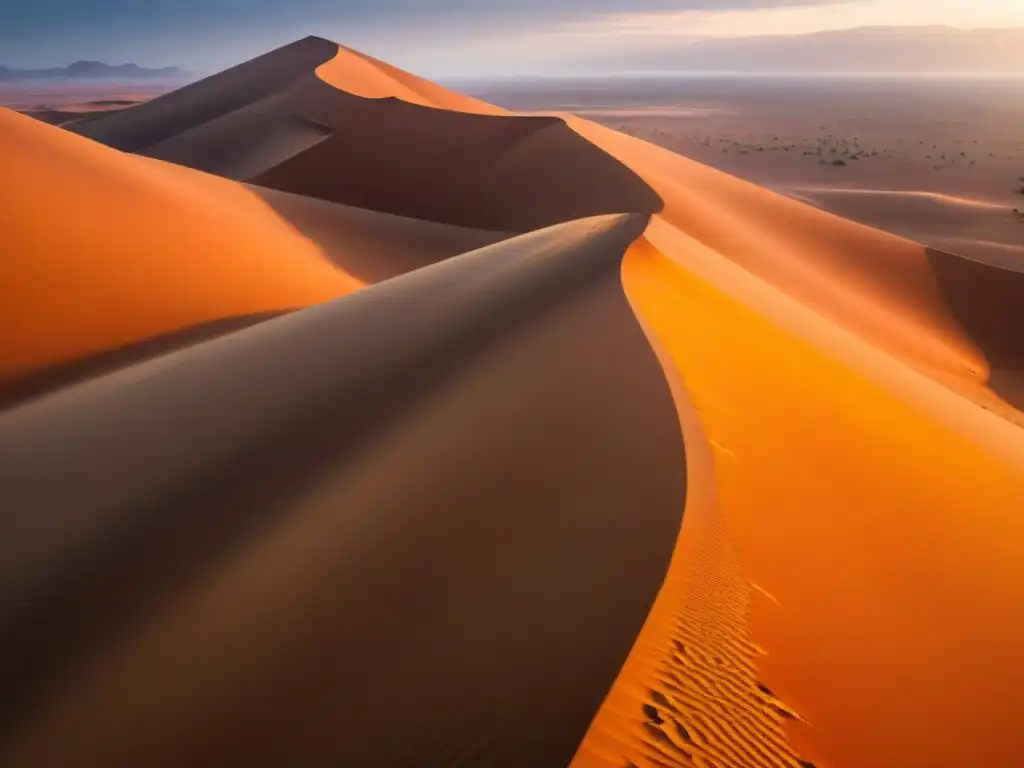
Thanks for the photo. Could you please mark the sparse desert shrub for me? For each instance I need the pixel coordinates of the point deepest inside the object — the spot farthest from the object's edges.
(838, 162)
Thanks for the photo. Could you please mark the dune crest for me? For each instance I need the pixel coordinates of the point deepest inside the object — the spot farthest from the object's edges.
(580, 450)
(105, 249)
(365, 76)
(271, 519)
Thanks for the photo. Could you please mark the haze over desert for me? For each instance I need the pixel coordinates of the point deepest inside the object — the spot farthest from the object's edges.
(352, 419)
(938, 160)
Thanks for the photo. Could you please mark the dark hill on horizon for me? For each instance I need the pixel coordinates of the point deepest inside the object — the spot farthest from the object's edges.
(93, 70)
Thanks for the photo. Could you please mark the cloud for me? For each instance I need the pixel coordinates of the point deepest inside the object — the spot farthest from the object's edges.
(216, 32)
(42, 14)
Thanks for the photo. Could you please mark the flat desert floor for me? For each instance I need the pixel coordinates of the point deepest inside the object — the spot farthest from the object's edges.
(62, 101)
(937, 160)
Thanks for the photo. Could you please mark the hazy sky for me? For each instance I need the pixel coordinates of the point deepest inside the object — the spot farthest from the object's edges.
(433, 37)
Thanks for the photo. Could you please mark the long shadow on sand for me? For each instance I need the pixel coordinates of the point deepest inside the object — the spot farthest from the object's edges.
(302, 135)
(430, 544)
(988, 302)
(482, 171)
(77, 371)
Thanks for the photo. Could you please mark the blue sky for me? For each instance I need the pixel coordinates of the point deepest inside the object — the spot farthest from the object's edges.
(435, 37)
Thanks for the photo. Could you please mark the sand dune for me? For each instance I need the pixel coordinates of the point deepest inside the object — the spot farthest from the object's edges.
(374, 246)
(362, 75)
(973, 228)
(145, 249)
(892, 292)
(214, 97)
(449, 518)
(501, 173)
(105, 249)
(273, 135)
(528, 602)
(394, 134)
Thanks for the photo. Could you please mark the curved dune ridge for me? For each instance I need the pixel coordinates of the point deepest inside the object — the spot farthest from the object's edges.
(274, 521)
(521, 442)
(103, 249)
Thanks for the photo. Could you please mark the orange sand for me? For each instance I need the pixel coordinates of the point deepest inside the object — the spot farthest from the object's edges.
(105, 248)
(874, 515)
(857, 555)
(873, 283)
(365, 76)
(847, 585)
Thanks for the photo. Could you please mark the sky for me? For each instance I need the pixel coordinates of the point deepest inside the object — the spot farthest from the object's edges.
(436, 38)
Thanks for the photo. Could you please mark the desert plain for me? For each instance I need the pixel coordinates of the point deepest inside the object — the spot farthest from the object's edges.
(348, 419)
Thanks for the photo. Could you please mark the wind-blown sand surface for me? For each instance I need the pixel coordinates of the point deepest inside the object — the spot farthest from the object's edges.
(621, 460)
(938, 160)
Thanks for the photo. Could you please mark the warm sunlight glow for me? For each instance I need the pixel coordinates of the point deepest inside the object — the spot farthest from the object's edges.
(966, 14)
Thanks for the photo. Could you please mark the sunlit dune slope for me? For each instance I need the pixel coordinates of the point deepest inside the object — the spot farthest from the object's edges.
(407, 146)
(476, 611)
(264, 100)
(365, 76)
(860, 533)
(871, 282)
(455, 522)
(256, 94)
(106, 250)
(951, 316)
(373, 246)
(859, 528)
(102, 249)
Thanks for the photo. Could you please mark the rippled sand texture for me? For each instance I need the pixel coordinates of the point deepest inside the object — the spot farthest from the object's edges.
(346, 420)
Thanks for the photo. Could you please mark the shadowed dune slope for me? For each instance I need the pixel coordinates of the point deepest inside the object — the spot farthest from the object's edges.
(395, 135)
(973, 228)
(357, 131)
(144, 125)
(374, 246)
(882, 287)
(437, 521)
(146, 251)
(435, 543)
(499, 173)
(873, 512)
(272, 134)
(103, 249)
(59, 375)
(988, 302)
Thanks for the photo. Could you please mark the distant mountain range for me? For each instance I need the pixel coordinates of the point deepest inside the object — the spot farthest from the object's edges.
(911, 50)
(92, 70)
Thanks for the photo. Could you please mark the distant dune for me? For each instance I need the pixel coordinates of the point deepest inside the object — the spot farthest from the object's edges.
(937, 160)
(500, 172)
(347, 420)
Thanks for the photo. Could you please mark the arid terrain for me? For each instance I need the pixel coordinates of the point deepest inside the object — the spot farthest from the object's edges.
(347, 419)
(936, 159)
(61, 101)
